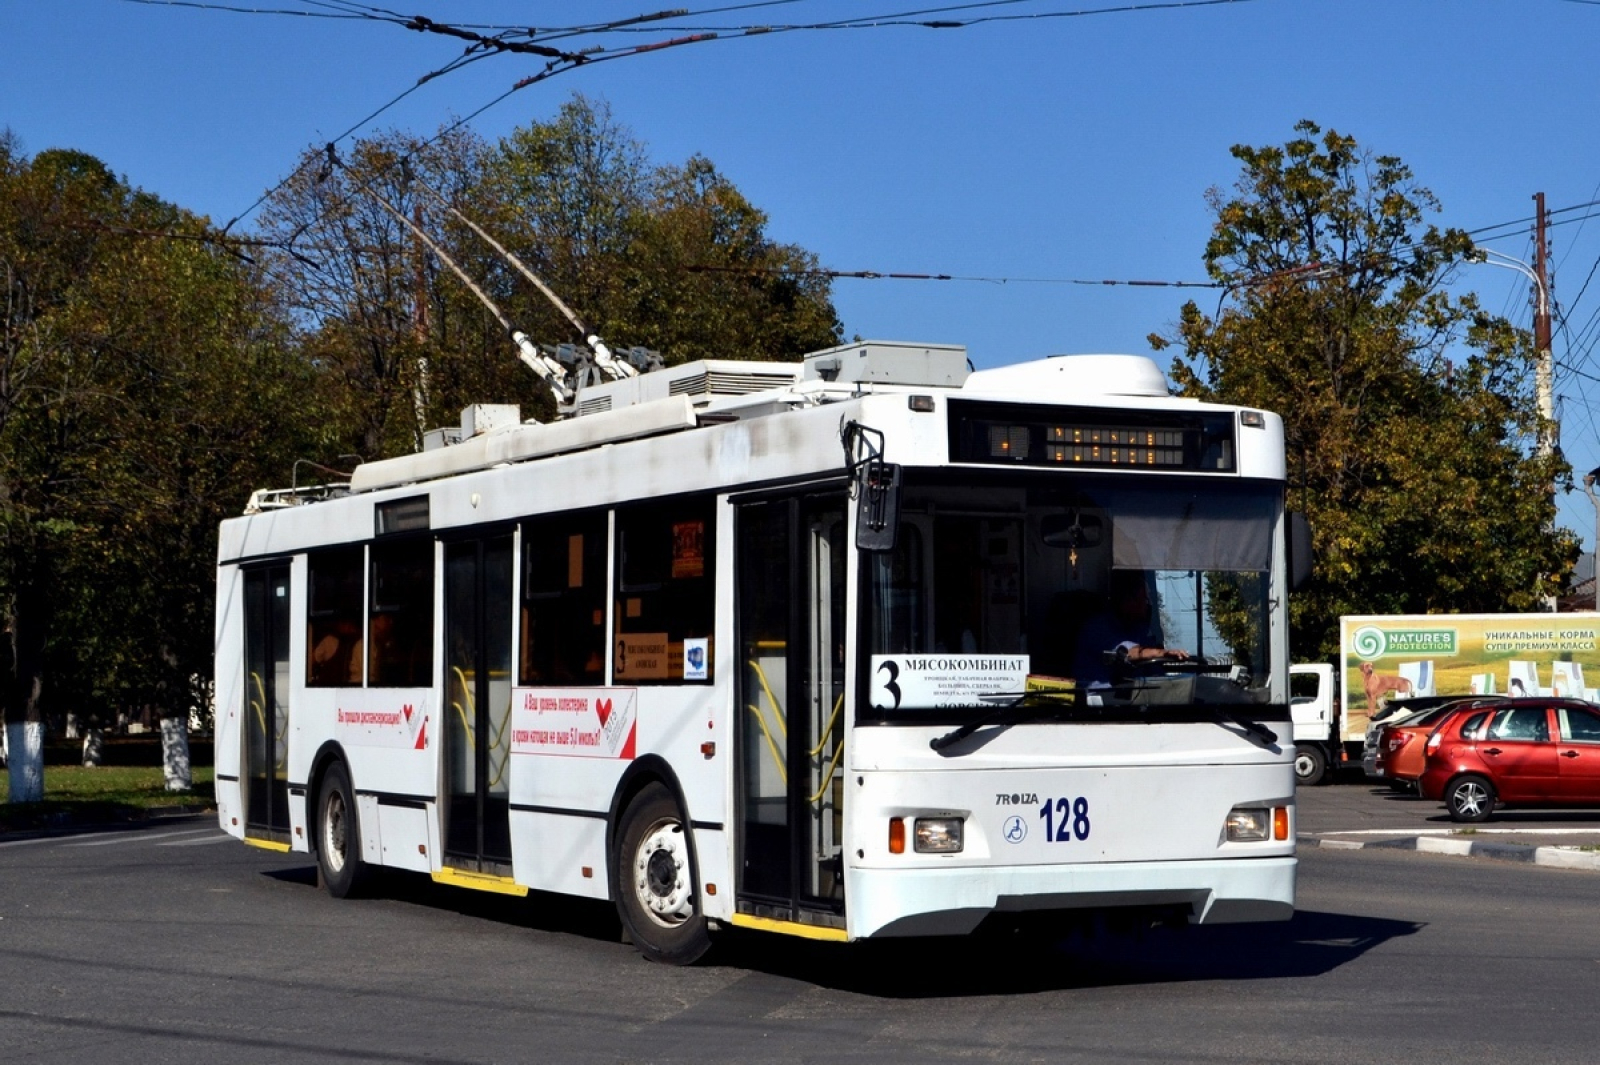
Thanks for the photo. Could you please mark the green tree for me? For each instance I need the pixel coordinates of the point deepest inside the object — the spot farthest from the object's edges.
(1408, 411)
(666, 257)
(144, 390)
(672, 257)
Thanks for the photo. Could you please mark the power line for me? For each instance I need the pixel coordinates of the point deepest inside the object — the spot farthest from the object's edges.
(884, 275)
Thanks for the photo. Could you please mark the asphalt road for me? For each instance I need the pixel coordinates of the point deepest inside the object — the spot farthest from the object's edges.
(173, 943)
(1354, 808)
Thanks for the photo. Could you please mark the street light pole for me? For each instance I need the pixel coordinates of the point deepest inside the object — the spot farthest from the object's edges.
(1544, 364)
(1594, 556)
(1544, 367)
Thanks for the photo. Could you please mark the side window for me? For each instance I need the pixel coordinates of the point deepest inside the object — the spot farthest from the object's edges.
(400, 615)
(1303, 687)
(333, 618)
(1521, 723)
(1472, 727)
(1580, 726)
(666, 592)
(563, 601)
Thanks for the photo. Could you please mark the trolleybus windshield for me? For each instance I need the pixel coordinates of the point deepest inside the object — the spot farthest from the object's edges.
(1001, 586)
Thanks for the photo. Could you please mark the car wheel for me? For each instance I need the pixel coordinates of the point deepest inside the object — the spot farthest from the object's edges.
(339, 863)
(657, 897)
(1310, 765)
(1469, 799)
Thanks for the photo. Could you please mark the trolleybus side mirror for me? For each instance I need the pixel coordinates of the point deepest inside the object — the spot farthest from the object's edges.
(1299, 550)
(877, 505)
(877, 486)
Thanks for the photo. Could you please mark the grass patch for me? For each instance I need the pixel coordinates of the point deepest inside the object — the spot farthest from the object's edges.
(76, 795)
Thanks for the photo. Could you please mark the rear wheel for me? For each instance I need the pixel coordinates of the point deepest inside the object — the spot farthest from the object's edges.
(339, 863)
(657, 897)
(1310, 764)
(1469, 799)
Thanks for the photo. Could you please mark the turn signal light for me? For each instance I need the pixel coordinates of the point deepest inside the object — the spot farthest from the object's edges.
(1280, 822)
(897, 835)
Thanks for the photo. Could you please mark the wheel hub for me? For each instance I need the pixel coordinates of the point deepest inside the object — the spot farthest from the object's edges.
(334, 833)
(661, 875)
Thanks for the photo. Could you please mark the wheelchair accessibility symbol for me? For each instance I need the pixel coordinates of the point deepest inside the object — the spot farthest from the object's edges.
(1016, 829)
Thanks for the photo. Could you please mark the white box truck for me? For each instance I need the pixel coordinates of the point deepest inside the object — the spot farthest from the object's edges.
(1389, 659)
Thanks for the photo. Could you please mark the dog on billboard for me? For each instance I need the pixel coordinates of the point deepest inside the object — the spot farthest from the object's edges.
(1378, 685)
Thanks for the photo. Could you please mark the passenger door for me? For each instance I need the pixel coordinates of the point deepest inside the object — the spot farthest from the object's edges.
(477, 684)
(266, 711)
(1578, 755)
(790, 732)
(1519, 752)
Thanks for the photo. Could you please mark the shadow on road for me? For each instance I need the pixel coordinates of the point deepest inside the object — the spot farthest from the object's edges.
(1310, 944)
(538, 911)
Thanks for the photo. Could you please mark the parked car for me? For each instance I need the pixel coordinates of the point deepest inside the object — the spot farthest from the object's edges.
(1391, 713)
(1399, 749)
(1542, 752)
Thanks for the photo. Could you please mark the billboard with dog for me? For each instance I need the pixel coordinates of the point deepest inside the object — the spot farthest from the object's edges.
(1409, 656)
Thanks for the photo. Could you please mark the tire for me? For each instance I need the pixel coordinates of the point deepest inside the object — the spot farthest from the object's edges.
(1469, 799)
(657, 897)
(1310, 765)
(339, 864)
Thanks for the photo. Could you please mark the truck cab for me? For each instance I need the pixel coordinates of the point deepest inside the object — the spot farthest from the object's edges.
(1313, 694)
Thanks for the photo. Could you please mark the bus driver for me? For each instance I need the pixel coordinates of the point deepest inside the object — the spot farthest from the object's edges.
(1126, 629)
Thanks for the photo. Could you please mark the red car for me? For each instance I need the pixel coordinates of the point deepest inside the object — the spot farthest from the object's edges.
(1524, 752)
(1400, 755)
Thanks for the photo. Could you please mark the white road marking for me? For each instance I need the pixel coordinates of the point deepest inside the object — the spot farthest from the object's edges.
(220, 838)
(137, 837)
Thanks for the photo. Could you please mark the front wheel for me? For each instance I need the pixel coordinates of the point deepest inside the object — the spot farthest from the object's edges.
(1310, 764)
(657, 897)
(1469, 799)
(339, 864)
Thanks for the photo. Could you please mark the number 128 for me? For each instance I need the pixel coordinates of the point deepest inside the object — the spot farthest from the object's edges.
(1065, 818)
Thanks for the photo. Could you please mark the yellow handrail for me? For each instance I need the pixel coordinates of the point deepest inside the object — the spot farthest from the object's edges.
(777, 760)
(777, 707)
(260, 707)
(495, 738)
(827, 778)
(828, 730)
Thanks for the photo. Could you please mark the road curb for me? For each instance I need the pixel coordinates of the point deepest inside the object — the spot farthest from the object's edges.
(1555, 857)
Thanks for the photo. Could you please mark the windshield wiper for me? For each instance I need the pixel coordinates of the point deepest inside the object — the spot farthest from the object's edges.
(1029, 706)
(1035, 705)
(1255, 728)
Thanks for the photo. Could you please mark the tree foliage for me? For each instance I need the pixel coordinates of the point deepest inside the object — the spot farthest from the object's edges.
(672, 258)
(150, 377)
(1408, 411)
(145, 388)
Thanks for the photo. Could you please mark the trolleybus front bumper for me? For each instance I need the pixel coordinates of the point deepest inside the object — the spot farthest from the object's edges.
(927, 901)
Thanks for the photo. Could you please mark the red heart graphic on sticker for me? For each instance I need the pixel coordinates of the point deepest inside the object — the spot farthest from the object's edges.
(603, 708)
(407, 709)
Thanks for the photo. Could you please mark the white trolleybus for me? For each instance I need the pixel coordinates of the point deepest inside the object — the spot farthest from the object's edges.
(826, 649)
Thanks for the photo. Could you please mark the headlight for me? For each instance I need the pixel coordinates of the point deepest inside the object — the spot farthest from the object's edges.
(937, 835)
(1249, 823)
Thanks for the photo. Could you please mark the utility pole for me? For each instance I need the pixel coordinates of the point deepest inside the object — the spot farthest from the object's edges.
(1544, 373)
(419, 325)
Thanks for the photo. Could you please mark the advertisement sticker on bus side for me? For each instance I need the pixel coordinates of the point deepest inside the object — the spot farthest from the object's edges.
(575, 722)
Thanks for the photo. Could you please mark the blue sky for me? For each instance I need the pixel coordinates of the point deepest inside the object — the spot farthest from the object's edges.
(1064, 148)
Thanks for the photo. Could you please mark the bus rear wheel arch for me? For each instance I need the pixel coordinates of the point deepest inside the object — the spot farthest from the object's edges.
(655, 886)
